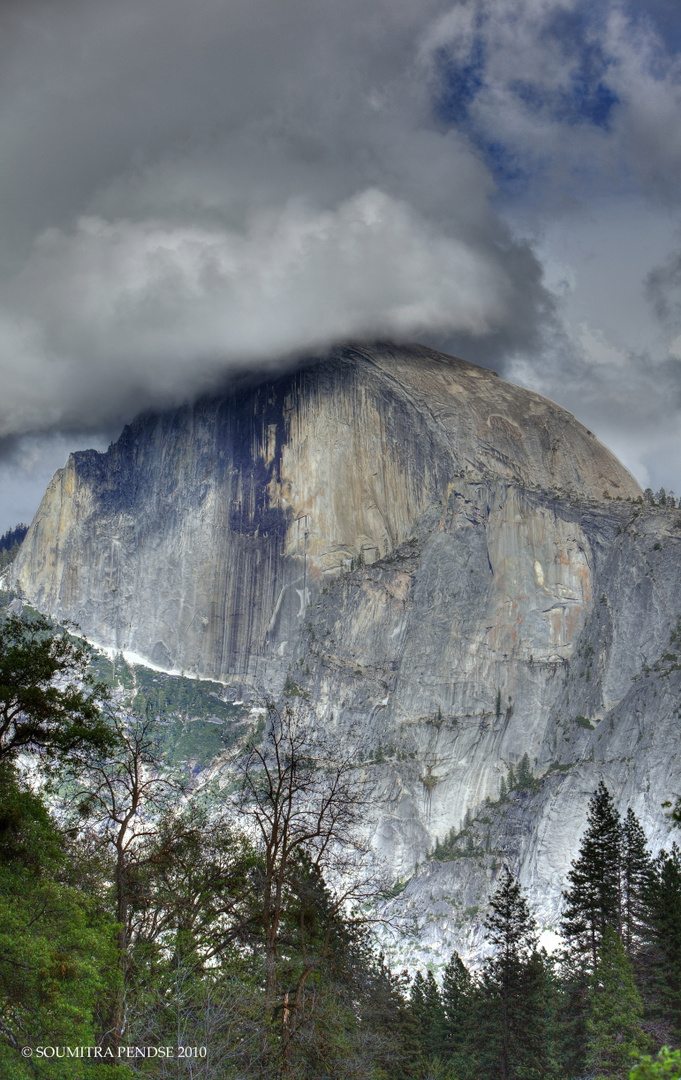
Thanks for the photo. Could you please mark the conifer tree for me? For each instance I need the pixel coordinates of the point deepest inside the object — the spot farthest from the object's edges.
(506, 1044)
(663, 903)
(457, 989)
(387, 1020)
(540, 1048)
(524, 778)
(428, 1016)
(457, 996)
(615, 1013)
(636, 870)
(593, 901)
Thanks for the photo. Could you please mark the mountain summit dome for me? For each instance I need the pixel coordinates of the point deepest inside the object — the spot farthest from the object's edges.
(200, 535)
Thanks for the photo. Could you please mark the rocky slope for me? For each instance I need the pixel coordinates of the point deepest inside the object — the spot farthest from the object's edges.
(447, 564)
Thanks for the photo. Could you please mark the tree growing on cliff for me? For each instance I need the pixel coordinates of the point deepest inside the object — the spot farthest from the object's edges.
(10, 542)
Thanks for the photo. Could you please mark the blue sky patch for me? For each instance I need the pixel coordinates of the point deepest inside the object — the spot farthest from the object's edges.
(459, 84)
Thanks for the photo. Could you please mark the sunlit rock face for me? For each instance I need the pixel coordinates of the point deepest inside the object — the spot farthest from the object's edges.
(452, 568)
(201, 536)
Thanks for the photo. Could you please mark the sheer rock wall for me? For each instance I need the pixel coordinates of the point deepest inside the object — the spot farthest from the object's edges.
(452, 568)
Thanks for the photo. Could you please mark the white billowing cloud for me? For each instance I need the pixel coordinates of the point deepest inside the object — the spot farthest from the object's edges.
(577, 95)
(150, 311)
(628, 399)
(191, 189)
(193, 193)
(578, 105)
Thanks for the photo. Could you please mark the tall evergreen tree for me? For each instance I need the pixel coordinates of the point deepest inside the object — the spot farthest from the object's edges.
(663, 902)
(457, 1002)
(614, 1021)
(636, 870)
(524, 777)
(512, 996)
(540, 1045)
(429, 1017)
(593, 900)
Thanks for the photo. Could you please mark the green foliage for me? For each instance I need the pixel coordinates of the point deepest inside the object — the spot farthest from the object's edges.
(615, 1013)
(663, 938)
(636, 869)
(292, 689)
(458, 997)
(48, 701)
(395, 890)
(661, 498)
(592, 901)
(57, 960)
(10, 542)
(8, 555)
(159, 694)
(666, 1066)
(199, 742)
(524, 777)
(193, 722)
(241, 944)
(515, 1029)
(457, 845)
(428, 1014)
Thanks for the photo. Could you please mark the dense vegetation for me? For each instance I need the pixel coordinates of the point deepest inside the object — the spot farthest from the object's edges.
(136, 914)
(10, 542)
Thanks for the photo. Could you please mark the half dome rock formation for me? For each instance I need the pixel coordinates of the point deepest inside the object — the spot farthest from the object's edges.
(200, 537)
(450, 564)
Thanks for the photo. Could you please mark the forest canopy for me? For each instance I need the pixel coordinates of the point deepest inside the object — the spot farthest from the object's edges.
(140, 910)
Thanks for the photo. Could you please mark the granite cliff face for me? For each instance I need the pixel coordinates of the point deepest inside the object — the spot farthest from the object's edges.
(451, 564)
(201, 535)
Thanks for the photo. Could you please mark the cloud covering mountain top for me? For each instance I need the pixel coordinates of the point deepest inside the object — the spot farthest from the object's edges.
(195, 189)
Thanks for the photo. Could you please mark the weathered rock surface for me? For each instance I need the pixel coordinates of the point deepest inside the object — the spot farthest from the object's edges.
(437, 558)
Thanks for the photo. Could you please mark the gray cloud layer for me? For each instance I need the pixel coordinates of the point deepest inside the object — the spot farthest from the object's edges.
(191, 189)
(198, 188)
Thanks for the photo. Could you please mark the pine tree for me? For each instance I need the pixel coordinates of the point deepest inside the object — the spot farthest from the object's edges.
(593, 901)
(388, 1023)
(615, 1013)
(524, 777)
(457, 1002)
(505, 1043)
(538, 1050)
(435, 1013)
(636, 870)
(663, 917)
(429, 1016)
